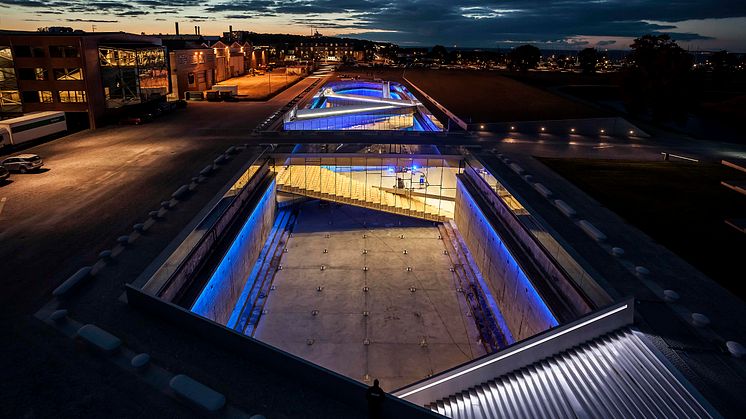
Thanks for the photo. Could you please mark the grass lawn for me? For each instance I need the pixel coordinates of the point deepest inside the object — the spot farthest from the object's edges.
(680, 205)
(483, 96)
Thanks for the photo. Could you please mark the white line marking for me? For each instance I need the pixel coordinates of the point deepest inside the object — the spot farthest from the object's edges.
(2, 204)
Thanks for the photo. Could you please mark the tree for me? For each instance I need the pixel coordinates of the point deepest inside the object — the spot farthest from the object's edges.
(658, 78)
(588, 59)
(524, 57)
(439, 51)
(723, 61)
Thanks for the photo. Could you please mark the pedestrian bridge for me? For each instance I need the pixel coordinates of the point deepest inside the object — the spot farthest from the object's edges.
(416, 186)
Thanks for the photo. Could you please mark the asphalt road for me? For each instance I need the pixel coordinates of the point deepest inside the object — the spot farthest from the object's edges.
(96, 184)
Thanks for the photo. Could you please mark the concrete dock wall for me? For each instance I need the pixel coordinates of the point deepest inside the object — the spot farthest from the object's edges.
(523, 309)
(224, 287)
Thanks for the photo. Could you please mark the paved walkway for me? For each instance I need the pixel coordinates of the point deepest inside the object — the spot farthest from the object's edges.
(407, 325)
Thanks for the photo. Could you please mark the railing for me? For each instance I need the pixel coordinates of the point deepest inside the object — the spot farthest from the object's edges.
(419, 187)
(185, 261)
(524, 222)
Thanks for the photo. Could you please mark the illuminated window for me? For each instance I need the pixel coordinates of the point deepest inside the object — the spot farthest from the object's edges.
(67, 74)
(45, 96)
(67, 96)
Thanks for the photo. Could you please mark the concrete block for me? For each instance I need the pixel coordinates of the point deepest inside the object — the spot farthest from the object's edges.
(197, 393)
(58, 315)
(123, 240)
(700, 320)
(516, 168)
(219, 160)
(76, 278)
(231, 150)
(543, 190)
(99, 338)
(105, 254)
(139, 227)
(206, 171)
(617, 251)
(140, 361)
(97, 267)
(670, 296)
(735, 349)
(181, 192)
(592, 231)
(564, 208)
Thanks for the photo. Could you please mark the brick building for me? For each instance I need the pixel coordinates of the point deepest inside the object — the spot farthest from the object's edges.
(93, 77)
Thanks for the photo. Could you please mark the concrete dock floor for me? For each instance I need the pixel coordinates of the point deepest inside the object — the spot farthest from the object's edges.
(405, 335)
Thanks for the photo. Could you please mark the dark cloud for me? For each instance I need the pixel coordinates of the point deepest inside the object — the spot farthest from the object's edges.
(462, 22)
(91, 20)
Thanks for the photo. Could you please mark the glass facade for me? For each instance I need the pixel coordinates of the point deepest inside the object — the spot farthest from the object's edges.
(420, 187)
(72, 96)
(10, 97)
(133, 75)
(362, 105)
(67, 74)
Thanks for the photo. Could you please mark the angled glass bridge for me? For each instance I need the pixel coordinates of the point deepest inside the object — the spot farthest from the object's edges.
(362, 105)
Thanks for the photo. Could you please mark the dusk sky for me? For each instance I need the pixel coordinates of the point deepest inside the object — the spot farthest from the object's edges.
(612, 24)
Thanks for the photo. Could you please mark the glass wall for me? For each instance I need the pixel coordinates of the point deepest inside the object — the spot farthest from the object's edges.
(420, 187)
(10, 97)
(133, 75)
(362, 105)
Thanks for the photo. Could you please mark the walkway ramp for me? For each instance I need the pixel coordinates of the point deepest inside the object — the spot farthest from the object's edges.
(324, 183)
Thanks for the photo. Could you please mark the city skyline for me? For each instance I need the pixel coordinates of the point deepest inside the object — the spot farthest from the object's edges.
(696, 25)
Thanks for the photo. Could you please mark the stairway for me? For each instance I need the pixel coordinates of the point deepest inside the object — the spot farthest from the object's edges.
(320, 182)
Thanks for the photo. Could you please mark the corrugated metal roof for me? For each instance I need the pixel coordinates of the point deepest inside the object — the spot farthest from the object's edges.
(618, 375)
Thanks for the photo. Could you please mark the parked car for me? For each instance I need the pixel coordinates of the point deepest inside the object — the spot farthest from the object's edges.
(23, 163)
(4, 174)
(131, 120)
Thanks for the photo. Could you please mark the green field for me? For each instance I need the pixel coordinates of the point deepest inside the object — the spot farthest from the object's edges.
(680, 205)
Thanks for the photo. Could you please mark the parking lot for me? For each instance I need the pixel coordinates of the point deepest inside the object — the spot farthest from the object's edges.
(95, 184)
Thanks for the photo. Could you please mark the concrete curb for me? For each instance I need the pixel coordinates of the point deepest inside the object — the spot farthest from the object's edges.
(71, 282)
(197, 393)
